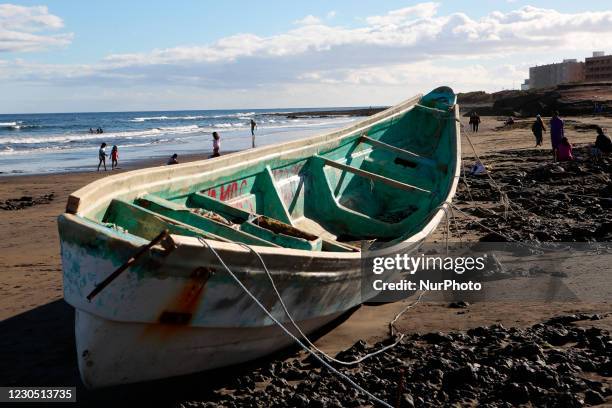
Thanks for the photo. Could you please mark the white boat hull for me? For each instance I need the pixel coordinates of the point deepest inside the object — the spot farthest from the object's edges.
(113, 353)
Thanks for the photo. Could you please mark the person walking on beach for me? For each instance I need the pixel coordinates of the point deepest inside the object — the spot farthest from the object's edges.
(253, 126)
(474, 121)
(564, 150)
(114, 157)
(102, 156)
(216, 144)
(173, 160)
(556, 132)
(538, 128)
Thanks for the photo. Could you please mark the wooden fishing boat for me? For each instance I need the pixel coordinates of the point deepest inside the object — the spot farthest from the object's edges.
(171, 309)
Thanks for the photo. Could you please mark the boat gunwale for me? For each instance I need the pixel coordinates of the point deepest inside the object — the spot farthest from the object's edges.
(263, 153)
(417, 237)
(78, 200)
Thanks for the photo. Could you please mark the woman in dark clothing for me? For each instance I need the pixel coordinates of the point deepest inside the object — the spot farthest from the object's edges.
(603, 142)
(538, 128)
(474, 121)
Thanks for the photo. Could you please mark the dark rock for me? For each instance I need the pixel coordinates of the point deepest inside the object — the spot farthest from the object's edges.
(456, 378)
(436, 338)
(515, 393)
(593, 398)
(557, 337)
(530, 350)
(298, 400)
(458, 305)
(406, 401)
(567, 399)
(493, 237)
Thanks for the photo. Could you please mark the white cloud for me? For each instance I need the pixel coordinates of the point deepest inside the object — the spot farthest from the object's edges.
(308, 20)
(408, 34)
(419, 11)
(401, 51)
(24, 29)
(330, 14)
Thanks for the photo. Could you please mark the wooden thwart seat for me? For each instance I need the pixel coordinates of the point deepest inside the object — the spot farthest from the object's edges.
(373, 176)
(148, 224)
(209, 224)
(418, 159)
(199, 200)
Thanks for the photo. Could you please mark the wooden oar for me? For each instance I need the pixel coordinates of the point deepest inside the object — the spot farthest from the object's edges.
(99, 287)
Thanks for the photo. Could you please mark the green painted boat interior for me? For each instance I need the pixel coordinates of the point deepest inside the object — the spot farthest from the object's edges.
(381, 183)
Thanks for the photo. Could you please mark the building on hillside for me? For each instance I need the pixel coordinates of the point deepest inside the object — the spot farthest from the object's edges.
(598, 67)
(525, 85)
(570, 70)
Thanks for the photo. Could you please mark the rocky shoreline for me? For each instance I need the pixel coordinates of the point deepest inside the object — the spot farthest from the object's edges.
(562, 202)
(554, 363)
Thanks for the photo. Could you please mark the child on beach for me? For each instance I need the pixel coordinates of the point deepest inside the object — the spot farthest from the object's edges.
(216, 144)
(564, 150)
(253, 126)
(102, 156)
(114, 157)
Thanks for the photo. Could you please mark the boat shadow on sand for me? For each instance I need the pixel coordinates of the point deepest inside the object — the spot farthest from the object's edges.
(38, 349)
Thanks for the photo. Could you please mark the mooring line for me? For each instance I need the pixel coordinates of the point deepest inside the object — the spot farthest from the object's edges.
(287, 332)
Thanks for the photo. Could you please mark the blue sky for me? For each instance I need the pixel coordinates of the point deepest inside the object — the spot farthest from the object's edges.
(155, 55)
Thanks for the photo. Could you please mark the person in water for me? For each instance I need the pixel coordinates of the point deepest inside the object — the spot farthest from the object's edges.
(556, 132)
(564, 150)
(91, 130)
(114, 157)
(173, 159)
(538, 128)
(253, 126)
(216, 144)
(474, 121)
(102, 156)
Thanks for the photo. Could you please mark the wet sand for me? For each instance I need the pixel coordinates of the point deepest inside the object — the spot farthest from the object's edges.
(37, 344)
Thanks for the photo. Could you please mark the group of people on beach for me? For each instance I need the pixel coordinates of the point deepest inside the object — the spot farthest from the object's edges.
(114, 154)
(173, 159)
(562, 149)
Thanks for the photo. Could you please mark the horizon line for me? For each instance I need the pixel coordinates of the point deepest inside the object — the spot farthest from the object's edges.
(196, 110)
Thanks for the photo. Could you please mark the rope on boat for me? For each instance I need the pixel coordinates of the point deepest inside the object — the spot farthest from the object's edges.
(307, 340)
(312, 348)
(392, 329)
(297, 340)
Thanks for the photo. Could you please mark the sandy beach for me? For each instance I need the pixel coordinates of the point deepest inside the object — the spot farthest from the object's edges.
(37, 342)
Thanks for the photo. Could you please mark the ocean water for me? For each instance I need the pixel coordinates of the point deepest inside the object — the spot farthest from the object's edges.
(61, 142)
